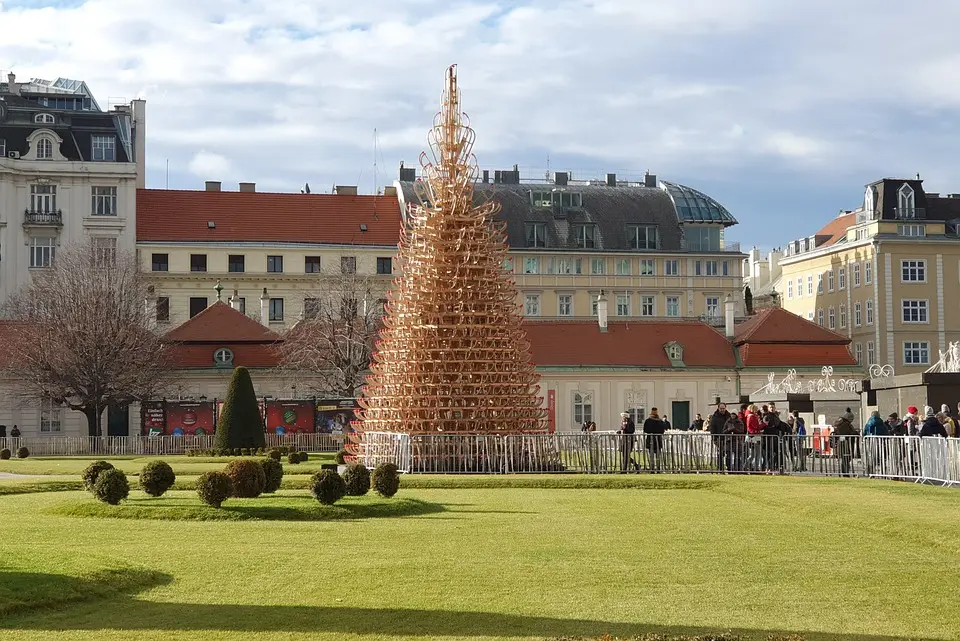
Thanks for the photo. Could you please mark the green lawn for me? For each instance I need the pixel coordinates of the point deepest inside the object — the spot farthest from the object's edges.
(182, 465)
(833, 559)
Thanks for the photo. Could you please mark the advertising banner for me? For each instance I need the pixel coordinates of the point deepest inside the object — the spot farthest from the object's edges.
(552, 411)
(335, 414)
(290, 417)
(154, 418)
(189, 418)
(220, 410)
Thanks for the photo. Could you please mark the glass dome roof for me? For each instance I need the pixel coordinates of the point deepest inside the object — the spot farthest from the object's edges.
(696, 207)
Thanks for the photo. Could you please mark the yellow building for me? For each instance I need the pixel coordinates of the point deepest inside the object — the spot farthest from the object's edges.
(886, 275)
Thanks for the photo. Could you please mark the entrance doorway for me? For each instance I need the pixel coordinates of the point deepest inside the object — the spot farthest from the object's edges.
(118, 421)
(680, 415)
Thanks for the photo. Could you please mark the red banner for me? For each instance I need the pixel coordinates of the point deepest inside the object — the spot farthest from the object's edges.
(189, 418)
(289, 417)
(552, 411)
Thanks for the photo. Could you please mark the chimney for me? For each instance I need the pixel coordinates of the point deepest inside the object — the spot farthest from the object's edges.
(265, 308)
(486, 176)
(560, 178)
(390, 191)
(729, 308)
(602, 311)
(12, 85)
(611, 180)
(407, 174)
(212, 185)
(248, 187)
(235, 300)
(346, 190)
(497, 177)
(649, 180)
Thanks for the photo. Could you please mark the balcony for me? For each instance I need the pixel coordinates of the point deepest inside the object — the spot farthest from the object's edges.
(52, 217)
(909, 213)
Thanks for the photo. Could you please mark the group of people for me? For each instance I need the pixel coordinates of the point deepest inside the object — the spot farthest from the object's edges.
(654, 428)
(14, 433)
(943, 423)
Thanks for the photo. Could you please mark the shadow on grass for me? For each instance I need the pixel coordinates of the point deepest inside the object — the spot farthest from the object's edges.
(130, 615)
(28, 591)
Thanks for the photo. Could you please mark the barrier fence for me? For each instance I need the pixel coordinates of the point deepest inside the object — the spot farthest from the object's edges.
(155, 445)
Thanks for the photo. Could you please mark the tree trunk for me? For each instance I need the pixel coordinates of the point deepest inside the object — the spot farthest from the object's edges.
(93, 420)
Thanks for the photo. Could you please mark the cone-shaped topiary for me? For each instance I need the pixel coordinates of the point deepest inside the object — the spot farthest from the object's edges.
(111, 487)
(92, 471)
(273, 471)
(157, 477)
(214, 488)
(386, 479)
(239, 424)
(327, 487)
(357, 478)
(248, 478)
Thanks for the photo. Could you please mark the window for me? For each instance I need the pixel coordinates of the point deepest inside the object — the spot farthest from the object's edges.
(711, 267)
(43, 199)
(871, 353)
(671, 267)
(348, 264)
(44, 148)
(843, 278)
(647, 306)
(536, 234)
(105, 250)
(198, 262)
(567, 266)
(856, 274)
(830, 279)
(582, 408)
(243, 304)
(160, 262)
(869, 312)
(857, 315)
(642, 236)
(869, 198)
(571, 199)
(790, 289)
(311, 307)
(820, 317)
(858, 353)
(843, 316)
(810, 315)
(674, 352)
(832, 319)
(565, 305)
(42, 251)
(311, 265)
(623, 304)
(809, 285)
(531, 265)
(541, 198)
(163, 309)
(713, 306)
(586, 236)
(104, 201)
(104, 148)
(868, 271)
(623, 266)
(911, 230)
(906, 202)
(702, 239)
(274, 264)
(236, 263)
(598, 266)
(276, 310)
(913, 271)
(197, 305)
(384, 265)
(50, 415)
(44, 119)
(531, 305)
(799, 286)
(916, 353)
(673, 306)
(726, 268)
(914, 311)
(648, 267)
(819, 284)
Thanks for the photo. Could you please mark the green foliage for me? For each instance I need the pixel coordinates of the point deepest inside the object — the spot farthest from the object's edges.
(22, 452)
(273, 474)
(342, 457)
(111, 486)
(239, 424)
(327, 487)
(293, 458)
(5, 454)
(214, 488)
(304, 457)
(357, 478)
(248, 478)
(92, 471)
(274, 454)
(157, 477)
(386, 479)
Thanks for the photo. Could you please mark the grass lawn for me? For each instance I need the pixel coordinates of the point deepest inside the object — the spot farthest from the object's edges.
(182, 465)
(832, 559)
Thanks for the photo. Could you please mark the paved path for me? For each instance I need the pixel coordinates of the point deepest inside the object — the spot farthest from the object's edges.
(8, 475)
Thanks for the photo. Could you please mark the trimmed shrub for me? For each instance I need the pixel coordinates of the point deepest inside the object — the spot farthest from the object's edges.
(342, 457)
(92, 471)
(357, 478)
(386, 479)
(245, 451)
(274, 454)
(239, 424)
(327, 487)
(237, 451)
(22, 452)
(273, 474)
(293, 458)
(248, 478)
(157, 477)
(304, 457)
(5, 454)
(111, 487)
(214, 488)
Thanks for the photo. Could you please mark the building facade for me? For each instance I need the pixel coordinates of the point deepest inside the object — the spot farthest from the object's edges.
(885, 275)
(68, 173)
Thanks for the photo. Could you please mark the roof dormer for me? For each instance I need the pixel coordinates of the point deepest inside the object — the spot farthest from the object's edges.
(674, 353)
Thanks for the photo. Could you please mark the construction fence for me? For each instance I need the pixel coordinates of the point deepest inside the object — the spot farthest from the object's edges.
(155, 445)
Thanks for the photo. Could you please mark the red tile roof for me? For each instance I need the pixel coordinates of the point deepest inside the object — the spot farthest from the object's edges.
(777, 325)
(625, 344)
(220, 323)
(836, 229)
(336, 219)
(786, 355)
(186, 356)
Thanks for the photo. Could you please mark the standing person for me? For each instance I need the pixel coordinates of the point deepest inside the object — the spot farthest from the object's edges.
(932, 425)
(653, 429)
(718, 421)
(754, 431)
(911, 421)
(627, 430)
(875, 426)
(666, 422)
(845, 433)
(948, 422)
(732, 441)
(15, 432)
(799, 440)
(697, 425)
(772, 431)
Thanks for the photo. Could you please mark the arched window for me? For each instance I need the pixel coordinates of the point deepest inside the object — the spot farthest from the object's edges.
(44, 148)
(44, 119)
(870, 201)
(906, 202)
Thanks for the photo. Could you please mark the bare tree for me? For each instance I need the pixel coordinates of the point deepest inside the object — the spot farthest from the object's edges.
(84, 334)
(328, 351)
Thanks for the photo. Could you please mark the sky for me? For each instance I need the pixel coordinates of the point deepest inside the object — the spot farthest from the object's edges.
(782, 111)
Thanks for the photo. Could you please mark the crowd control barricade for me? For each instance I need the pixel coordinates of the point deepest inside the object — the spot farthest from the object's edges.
(155, 445)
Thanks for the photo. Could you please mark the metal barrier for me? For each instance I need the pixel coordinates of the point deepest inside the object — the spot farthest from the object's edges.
(910, 458)
(154, 445)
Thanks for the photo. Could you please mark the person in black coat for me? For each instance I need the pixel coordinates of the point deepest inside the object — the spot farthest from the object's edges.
(932, 425)
(653, 429)
(627, 430)
(717, 422)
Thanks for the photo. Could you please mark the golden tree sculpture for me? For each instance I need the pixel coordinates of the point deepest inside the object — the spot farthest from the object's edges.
(452, 357)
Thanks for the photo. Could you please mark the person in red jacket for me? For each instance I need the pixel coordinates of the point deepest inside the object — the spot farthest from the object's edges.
(754, 444)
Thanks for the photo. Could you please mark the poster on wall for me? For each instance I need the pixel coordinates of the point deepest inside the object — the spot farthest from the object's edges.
(552, 411)
(154, 418)
(189, 418)
(290, 417)
(335, 414)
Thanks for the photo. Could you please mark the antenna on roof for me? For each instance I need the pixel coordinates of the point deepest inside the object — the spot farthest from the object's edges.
(376, 187)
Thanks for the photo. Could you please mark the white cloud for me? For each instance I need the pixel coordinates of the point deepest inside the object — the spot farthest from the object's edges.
(209, 166)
